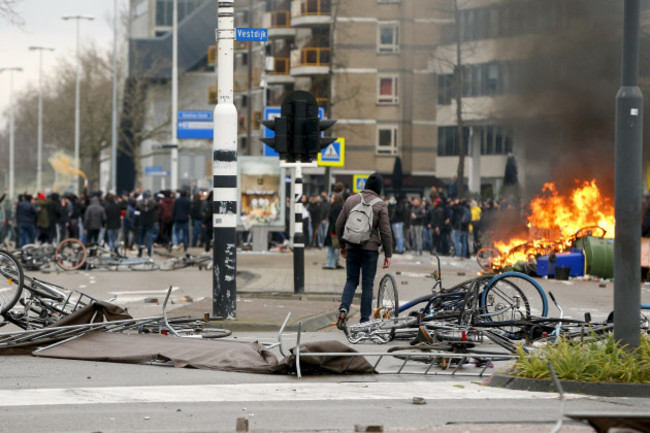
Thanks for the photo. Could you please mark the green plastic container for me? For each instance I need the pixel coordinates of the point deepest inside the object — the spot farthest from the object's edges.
(599, 255)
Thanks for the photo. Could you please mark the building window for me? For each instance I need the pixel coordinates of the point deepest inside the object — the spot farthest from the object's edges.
(387, 90)
(495, 140)
(388, 37)
(386, 140)
(448, 140)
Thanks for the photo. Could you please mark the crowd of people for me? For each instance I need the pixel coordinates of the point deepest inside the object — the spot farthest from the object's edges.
(439, 223)
(139, 219)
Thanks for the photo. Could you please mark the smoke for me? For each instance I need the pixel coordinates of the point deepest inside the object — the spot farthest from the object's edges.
(566, 92)
(65, 169)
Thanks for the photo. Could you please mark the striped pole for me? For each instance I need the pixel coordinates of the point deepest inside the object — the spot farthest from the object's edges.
(298, 238)
(224, 172)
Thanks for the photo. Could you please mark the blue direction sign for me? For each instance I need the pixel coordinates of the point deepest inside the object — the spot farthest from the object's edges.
(195, 115)
(270, 113)
(155, 170)
(195, 124)
(244, 34)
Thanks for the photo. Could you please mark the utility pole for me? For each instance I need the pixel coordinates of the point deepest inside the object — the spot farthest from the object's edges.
(114, 114)
(628, 182)
(224, 171)
(11, 129)
(77, 95)
(39, 151)
(174, 140)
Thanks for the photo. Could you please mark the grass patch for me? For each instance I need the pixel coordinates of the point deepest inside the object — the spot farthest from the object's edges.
(592, 361)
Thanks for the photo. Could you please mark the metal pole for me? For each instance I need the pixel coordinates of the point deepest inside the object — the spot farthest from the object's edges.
(11, 129)
(77, 112)
(629, 135)
(39, 140)
(114, 118)
(224, 171)
(174, 140)
(299, 238)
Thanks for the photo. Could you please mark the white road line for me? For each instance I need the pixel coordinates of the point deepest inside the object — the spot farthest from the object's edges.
(262, 392)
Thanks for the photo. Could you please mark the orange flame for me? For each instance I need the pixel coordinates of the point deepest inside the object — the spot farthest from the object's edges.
(556, 220)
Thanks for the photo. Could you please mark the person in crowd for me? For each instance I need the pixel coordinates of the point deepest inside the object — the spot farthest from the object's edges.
(94, 220)
(54, 215)
(26, 214)
(43, 205)
(361, 260)
(332, 243)
(64, 219)
(427, 241)
(475, 209)
(113, 209)
(417, 222)
(147, 222)
(397, 207)
(206, 222)
(197, 217)
(452, 190)
(323, 226)
(128, 222)
(306, 222)
(181, 213)
(165, 211)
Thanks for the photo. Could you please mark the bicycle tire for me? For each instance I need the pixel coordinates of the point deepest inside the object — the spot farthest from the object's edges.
(146, 266)
(387, 297)
(486, 256)
(70, 254)
(174, 264)
(534, 297)
(11, 282)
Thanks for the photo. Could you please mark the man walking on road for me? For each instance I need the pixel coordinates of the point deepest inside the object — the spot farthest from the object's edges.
(361, 259)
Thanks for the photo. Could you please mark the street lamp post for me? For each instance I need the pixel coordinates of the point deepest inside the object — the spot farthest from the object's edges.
(11, 128)
(39, 153)
(174, 138)
(114, 114)
(77, 116)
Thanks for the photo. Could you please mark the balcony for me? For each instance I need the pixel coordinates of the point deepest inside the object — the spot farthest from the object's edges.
(311, 13)
(279, 24)
(310, 61)
(281, 73)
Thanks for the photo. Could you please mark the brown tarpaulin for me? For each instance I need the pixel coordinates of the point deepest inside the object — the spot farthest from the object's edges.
(226, 355)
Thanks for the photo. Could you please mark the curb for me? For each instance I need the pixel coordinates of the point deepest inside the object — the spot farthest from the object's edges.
(600, 389)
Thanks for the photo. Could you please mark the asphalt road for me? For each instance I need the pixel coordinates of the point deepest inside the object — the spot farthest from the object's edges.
(50, 395)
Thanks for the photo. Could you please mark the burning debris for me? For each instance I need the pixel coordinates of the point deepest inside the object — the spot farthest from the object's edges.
(555, 223)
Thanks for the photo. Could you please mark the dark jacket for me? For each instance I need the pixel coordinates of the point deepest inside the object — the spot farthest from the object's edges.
(332, 216)
(146, 211)
(25, 214)
(113, 214)
(381, 233)
(95, 215)
(182, 210)
(166, 209)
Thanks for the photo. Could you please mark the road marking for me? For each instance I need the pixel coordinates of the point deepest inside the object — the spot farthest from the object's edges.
(253, 392)
(143, 292)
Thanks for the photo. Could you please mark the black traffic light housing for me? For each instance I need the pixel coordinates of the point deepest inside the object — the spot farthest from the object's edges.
(281, 142)
(298, 129)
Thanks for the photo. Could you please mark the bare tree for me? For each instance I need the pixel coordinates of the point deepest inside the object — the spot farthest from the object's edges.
(8, 12)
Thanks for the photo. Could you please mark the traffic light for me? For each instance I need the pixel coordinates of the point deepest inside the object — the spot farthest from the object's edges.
(315, 141)
(281, 142)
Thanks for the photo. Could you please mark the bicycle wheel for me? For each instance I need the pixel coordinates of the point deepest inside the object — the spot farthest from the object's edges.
(173, 264)
(387, 299)
(513, 296)
(148, 265)
(11, 281)
(486, 258)
(70, 254)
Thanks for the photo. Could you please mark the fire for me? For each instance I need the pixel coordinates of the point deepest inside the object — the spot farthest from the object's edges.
(556, 220)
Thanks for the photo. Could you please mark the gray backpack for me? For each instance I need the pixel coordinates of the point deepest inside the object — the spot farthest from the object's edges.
(358, 226)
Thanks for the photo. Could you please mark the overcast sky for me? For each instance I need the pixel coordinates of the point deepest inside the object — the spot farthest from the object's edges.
(43, 26)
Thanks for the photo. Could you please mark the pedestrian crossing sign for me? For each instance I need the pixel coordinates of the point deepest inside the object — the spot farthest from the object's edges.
(333, 155)
(359, 182)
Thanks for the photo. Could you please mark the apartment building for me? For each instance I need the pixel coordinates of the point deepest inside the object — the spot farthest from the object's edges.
(385, 69)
